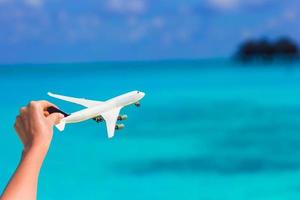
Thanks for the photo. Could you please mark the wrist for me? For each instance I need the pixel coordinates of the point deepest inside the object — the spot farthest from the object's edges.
(37, 145)
(35, 151)
(32, 159)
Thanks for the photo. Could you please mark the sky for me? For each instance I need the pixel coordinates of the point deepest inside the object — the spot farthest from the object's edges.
(45, 31)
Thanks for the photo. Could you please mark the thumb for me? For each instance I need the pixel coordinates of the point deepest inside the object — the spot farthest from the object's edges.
(55, 118)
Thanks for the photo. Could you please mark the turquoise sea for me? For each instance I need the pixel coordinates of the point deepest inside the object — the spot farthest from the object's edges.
(209, 129)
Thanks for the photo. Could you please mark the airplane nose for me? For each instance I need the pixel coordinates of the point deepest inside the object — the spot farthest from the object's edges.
(142, 94)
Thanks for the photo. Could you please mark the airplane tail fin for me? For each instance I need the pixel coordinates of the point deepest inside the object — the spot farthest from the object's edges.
(61, 125)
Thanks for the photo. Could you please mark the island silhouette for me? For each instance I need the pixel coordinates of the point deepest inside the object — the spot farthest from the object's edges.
(263, 49)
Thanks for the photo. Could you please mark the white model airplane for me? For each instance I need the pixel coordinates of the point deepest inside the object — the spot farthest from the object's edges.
(100, 110)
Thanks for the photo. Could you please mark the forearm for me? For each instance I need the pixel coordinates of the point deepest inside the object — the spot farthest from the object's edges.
(23, 184)
(34, 126)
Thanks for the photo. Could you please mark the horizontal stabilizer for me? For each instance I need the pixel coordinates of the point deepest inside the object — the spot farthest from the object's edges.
(80, 101)
(61, 125)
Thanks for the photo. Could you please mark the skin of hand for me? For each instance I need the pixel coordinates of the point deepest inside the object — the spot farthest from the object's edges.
(34, 126)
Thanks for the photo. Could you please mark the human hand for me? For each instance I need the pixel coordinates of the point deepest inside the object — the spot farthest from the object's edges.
(34, 125)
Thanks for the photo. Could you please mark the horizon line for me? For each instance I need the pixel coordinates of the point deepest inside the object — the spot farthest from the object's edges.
(115, 61)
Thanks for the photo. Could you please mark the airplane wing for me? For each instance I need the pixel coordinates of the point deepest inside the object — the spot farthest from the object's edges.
(80, 101)
(111, 118)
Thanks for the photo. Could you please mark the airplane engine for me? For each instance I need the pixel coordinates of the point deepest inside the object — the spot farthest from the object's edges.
(98, 119)
(119, 126)
(122, 117)
(137, 104)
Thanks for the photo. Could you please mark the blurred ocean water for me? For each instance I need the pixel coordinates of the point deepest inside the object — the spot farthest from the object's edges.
(210, 129)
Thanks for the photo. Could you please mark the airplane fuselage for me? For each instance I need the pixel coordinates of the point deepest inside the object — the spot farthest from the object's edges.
(116, 102)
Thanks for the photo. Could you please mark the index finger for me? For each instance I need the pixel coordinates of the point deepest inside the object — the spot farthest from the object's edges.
(39, 106)
(45, 104)
(36, 110)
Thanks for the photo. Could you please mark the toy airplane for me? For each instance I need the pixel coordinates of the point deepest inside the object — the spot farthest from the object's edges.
(100, 110)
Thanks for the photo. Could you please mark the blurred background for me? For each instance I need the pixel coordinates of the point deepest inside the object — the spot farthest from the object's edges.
(221, 115)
